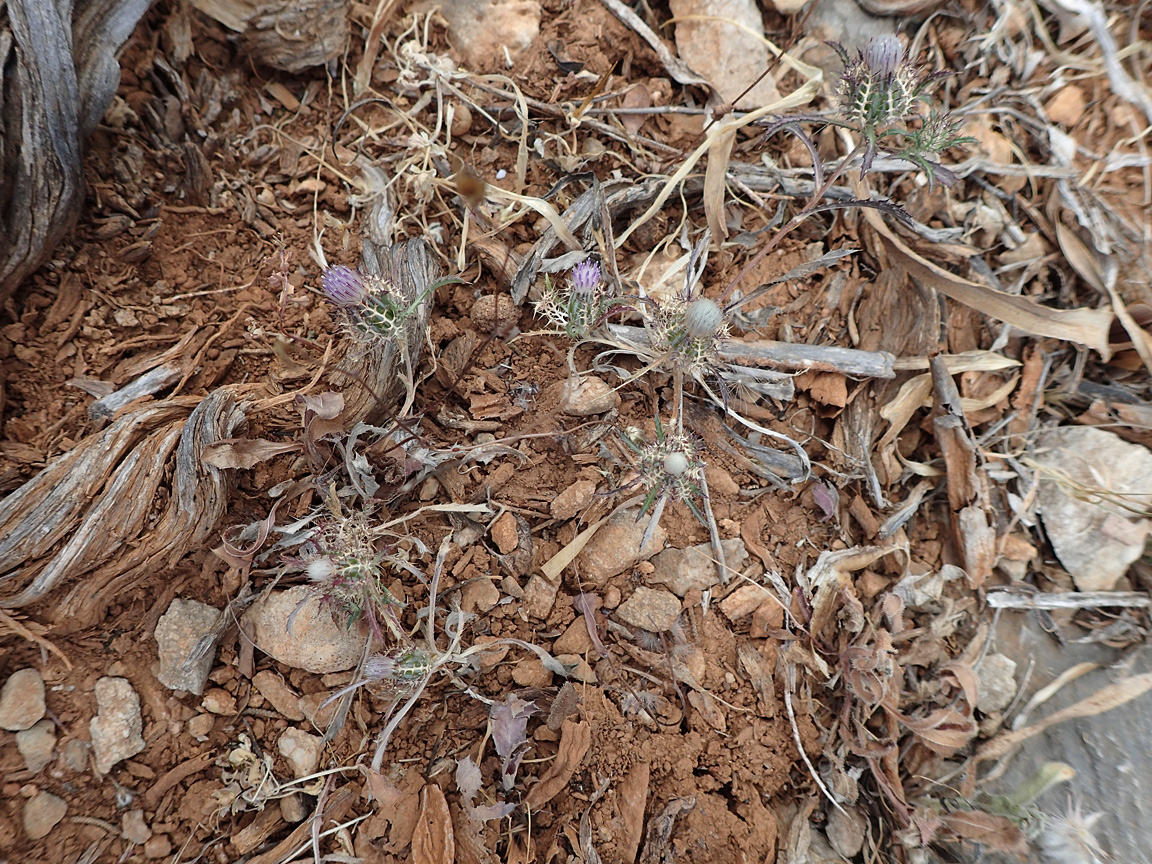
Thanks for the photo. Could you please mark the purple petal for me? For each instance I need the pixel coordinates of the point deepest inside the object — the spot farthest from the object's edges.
(343, 286)
(586, 276)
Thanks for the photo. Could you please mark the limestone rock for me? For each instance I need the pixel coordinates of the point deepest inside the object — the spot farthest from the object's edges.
(41, 814)
(682, 570)
(650, 609)
(487, 32)
(177, 633)
(301, 750)
(585, 395)
(116, 728)
(22, 700)
(730, 56)
(315, 641)
(36, 745)
(616, 547)
(133, 828)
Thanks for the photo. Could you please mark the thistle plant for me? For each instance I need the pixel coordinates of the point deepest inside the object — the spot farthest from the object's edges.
(402, 673)
(885, 97)
(577, 306)
(371, 309)
(347, 572)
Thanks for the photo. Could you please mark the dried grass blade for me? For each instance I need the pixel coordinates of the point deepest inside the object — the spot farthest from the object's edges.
(1085, 326)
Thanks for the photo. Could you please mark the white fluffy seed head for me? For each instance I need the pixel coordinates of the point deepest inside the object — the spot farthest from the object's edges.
(320, 569)
(675, 464)
(703, 318)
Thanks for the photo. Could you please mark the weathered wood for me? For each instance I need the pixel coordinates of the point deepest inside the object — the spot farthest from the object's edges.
(62, 58)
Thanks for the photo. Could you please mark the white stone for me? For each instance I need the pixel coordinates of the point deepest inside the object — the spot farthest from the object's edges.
(301, 750)
(996, 679)
(315, 641)
(116, 729)
(586, 395)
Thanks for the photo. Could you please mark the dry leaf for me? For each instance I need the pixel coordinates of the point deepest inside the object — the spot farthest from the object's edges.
(632, 797)
(245, 453)
(1086, 326)
(575, 739)
(433, 842)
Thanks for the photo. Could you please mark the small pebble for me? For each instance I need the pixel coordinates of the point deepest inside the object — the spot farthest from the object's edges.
(133, 828)
(504, 533)
(278, 694)
(650, 609)
(36, 745)
(996, 678)
(530, 672)
(584, 396)
(301, 750)
(219, 701)
(22, 700)
(115, 731)
(42, 813)
(578, 668)
(157, 846)
(178, 634)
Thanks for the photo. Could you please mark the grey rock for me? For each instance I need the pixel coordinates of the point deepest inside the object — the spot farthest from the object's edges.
(177, 633)
(996, 678)
(845, 830)
(650, 609)
(41, 814)
(301, 750)
(539, 597)
(133, 828)
(116, 728)
(22, 700)
(616, 547)
(315, 641)
(682, 570)
(729, 55)
(36, 745)
(486, 32)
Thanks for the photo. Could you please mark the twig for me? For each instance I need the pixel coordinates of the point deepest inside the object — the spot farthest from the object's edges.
(1010, 599)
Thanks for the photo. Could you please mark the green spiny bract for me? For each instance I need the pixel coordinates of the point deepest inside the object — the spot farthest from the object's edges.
(372, 309)
(672, 466)
(688, 333)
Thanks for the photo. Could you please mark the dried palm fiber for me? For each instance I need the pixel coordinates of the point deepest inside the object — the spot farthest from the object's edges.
(292, 35)
(60, 73)
(137, 496)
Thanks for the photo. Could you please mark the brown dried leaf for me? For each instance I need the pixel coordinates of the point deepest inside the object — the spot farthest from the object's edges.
(998, 832)
(245, 452)
(632, 797)
(433, 841)
(575, 739)
(1087, 326)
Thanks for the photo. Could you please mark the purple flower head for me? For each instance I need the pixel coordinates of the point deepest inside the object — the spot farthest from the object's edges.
(379, 667)
(585, 276)
(883, 54)
(344, 286)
